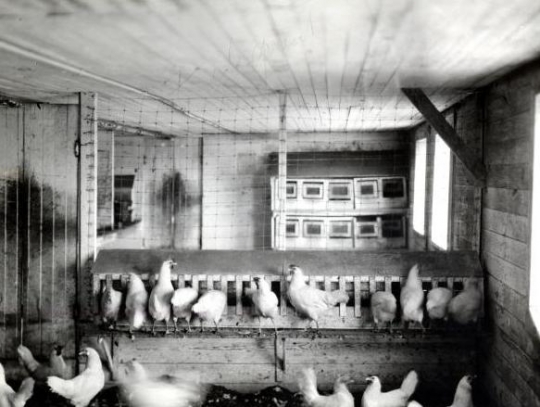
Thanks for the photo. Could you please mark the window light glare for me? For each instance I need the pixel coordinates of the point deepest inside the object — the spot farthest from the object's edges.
(441, 194)
(419, 194)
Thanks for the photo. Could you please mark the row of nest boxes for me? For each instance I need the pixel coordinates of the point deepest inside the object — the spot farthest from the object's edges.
(358, 232)
(366, 194)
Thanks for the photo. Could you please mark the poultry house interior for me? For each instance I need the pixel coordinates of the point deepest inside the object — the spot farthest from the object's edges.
(269, 203)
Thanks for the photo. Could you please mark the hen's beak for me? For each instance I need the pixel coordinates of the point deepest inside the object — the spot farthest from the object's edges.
(58, 349)
(83, 353)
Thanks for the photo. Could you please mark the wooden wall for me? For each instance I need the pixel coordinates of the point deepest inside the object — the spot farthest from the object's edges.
(38, 226)
(512, 354)
(498, 124)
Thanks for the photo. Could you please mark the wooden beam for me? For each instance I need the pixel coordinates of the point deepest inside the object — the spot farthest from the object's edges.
(282, 173)
(474, 168)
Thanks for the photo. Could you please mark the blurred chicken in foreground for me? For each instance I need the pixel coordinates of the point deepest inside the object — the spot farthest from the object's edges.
(463, 394)
(57, 366)
(265, 301)
(373, 397)
(182, 301)
(136, 301)
(210, 307)
(8, 396)
(141, 391)
(465, 307)
(311, 302)
(412, 298)
(83, 388)
(383, 308)
(437, 302)
(341, 397)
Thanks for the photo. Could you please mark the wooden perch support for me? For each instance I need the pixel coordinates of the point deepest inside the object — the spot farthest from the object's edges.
(474, 168)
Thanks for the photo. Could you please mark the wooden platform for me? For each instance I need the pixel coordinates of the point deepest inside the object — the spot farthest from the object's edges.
(236, 357)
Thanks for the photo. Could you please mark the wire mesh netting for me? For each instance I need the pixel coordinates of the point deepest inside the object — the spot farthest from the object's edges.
(272, 171)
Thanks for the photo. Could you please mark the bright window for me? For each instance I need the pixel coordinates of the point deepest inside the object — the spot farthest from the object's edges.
(534, 297)
(441, 194)
(419, 203)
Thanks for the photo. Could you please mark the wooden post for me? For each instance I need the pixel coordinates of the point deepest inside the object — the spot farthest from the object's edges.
(474, 169)
(282, 174)
(87, 150)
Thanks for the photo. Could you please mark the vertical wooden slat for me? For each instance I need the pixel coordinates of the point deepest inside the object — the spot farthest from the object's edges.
(108, 281)
(238, 292)
(357, 297)
(96, 291)
(87, 190)
(181, 281)
(283, 292)
(282, 174)
(372, 284)
(450, 284)
(124, 282)
(388, 284)
(210, 282)
(342, 306)
(195, 282)
(224, 287)
(312, 282)
(327, 283)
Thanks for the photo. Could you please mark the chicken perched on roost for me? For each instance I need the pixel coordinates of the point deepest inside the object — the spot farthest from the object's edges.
(159, 304)
(182, 301)
(383, 308)
(265, 301)
(136, 303)
(412, 298)
(210, 307)
(311, 302)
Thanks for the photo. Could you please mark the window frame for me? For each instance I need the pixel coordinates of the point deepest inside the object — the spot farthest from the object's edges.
(432, 243)
(533, 301)
(422, 233)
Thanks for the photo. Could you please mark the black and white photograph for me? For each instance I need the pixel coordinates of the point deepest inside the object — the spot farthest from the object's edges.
(269, 203)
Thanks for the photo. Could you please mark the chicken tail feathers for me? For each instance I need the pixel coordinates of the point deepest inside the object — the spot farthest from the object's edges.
(337, 296)
(409, 383)
(308, 385)
(60, 386)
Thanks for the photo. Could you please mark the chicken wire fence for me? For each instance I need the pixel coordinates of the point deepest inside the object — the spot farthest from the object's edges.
(267, 172)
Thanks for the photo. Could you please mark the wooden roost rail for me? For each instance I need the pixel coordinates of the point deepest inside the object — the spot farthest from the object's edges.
(358, 273)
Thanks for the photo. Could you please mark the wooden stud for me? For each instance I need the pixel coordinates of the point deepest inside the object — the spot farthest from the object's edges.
(342, 306)
(238, 289)
(357, 285)
(108, 281)
(474, 168)
(283, 291)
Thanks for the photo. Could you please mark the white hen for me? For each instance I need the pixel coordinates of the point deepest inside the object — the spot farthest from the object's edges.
(57, 366)
(159, 304)
(383, 308)
(437, 302)
(374, 397)
(341, 397)
(111, 300)
(309, 301)
(83, 388)
(182, 301)
(412, 298)
(265, 301)
(463, 394)
(136, 302)
(143, 391)
(414, 404)
(210, 307)
(8, 396)
(465, 307)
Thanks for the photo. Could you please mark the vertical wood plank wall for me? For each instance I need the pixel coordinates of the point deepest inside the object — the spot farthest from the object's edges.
(512, 357)
(38, 226)
(501, 119)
